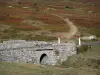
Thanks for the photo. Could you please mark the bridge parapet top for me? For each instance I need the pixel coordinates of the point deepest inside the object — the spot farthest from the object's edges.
(24, 44)
(34, 44)
(64, 46)
(14, 41)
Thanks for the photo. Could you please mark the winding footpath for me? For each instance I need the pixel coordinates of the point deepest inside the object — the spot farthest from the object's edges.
(72, 31)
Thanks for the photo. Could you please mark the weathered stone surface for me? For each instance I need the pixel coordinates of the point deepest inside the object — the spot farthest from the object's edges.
(31, 51)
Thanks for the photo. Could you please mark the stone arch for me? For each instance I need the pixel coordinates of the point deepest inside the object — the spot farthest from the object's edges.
(43, 59)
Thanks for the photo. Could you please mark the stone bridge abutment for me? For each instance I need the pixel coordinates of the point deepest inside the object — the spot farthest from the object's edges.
(37, 52)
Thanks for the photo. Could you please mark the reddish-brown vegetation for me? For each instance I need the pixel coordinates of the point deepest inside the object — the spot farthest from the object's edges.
(50, 19)
(78, 12)
(86, 21)
(27, 27)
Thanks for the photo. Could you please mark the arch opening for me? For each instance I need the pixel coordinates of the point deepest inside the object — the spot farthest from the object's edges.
(43, 59)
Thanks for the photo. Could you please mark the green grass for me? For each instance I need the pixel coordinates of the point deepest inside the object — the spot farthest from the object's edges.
(13, 34)
(43, 38)
(89, 59)
(31, 69)
(56, 28)
(90, 30)
(95, 31)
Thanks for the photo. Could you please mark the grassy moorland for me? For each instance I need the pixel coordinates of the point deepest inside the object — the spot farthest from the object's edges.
(17, 22)
(30, 18)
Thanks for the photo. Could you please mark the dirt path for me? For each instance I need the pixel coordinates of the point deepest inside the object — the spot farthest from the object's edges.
(72, 31)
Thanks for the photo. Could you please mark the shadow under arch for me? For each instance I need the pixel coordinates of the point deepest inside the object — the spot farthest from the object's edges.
(43, 59)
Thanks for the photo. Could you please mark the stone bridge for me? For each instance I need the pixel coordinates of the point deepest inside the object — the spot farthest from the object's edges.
(37, 52)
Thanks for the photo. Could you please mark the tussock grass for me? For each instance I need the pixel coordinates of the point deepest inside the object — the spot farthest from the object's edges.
(89, 59)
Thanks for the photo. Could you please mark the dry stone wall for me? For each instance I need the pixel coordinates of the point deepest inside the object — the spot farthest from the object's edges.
(32, 51)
